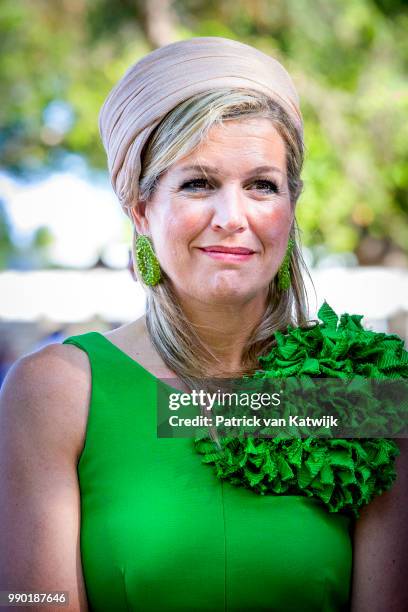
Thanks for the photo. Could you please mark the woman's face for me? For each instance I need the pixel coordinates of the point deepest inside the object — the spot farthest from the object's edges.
(230, 193)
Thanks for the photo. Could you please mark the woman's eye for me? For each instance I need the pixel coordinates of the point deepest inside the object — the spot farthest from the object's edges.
(195, 184)
(267, 185)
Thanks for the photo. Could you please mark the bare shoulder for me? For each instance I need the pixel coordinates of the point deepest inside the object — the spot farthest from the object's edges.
(49, 390)
(380, 551)
(43, 414)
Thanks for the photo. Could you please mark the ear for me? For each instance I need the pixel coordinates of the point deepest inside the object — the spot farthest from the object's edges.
(139, 217)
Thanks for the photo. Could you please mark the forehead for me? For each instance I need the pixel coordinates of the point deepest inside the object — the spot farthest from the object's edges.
(238, 146)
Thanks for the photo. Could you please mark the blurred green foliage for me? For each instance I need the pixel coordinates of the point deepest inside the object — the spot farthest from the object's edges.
(6, 243)
(348, 58)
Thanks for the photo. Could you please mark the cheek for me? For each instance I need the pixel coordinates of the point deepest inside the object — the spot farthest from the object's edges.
(178, 232)
(185, 222)
(276, 223)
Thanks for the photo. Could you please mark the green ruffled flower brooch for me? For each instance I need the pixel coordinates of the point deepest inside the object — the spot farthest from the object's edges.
(344, 474)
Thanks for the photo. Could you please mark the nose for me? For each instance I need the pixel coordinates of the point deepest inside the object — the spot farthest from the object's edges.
(230, 211)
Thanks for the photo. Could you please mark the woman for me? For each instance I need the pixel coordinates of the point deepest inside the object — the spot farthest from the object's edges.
(204, 140)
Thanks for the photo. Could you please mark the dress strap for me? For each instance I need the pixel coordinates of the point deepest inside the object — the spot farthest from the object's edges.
(113, 372)
(122, 399)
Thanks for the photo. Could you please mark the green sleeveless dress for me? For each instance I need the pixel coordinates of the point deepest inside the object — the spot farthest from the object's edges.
(159, 531)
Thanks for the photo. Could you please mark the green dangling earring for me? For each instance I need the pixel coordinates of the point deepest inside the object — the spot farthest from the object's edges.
(146, 260)
(284, 272)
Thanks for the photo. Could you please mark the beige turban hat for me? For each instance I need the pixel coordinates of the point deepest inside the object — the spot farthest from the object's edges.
(169, 75)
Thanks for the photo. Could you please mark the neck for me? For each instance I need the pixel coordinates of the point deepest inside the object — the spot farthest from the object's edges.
(225, 328)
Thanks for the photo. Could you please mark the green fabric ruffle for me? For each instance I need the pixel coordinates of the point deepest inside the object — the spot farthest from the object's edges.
(344, 474)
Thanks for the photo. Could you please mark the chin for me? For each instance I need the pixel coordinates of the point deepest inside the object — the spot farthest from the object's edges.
(225, 293)
(220, 289)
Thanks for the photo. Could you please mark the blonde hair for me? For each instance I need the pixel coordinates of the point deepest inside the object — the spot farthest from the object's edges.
(182, 129)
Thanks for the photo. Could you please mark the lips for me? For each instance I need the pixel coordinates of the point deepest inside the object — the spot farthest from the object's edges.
(233, 250)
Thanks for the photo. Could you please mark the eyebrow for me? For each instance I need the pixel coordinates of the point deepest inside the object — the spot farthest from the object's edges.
(210, 169)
